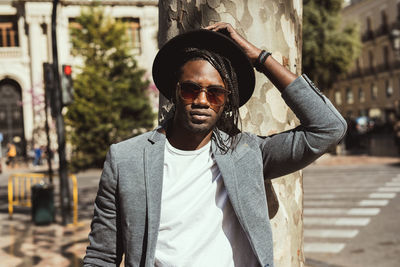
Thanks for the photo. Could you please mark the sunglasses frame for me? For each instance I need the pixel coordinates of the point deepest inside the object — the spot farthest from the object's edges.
(203, 89)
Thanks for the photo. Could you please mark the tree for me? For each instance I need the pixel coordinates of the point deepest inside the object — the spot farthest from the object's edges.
(329, 48)
(110, 102)
(272, 25)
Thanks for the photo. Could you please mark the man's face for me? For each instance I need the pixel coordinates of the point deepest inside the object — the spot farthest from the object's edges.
(199, 115)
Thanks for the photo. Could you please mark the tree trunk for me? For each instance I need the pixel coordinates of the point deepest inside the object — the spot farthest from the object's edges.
(273, 25)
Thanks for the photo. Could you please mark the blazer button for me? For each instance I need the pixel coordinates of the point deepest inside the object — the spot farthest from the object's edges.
(266, 265)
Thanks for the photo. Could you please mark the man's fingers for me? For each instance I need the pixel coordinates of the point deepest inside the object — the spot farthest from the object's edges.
(219, 26)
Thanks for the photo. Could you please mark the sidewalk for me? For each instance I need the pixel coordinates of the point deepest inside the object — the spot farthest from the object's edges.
(333, 160)
(23, 244)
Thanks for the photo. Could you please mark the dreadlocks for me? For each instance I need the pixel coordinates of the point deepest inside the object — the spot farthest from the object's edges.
(229, 122)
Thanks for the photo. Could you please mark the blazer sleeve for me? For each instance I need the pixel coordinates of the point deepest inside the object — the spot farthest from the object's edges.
(321, 127)
(105, 248)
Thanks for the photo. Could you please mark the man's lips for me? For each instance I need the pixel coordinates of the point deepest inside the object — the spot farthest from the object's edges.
(199, 115)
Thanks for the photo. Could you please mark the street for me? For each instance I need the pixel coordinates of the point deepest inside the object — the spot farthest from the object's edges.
(351, 215)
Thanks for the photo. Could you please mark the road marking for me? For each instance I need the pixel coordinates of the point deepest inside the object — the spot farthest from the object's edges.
(382, 195)
(323, 247)
(327, 203)
(341, 221)
(341, 190)
(369, 202)
(362, 203)
(364, 211)
(320, 196)
(343, 186)
(330, 233)
(396, 184)
(389, 189)
(356, 211)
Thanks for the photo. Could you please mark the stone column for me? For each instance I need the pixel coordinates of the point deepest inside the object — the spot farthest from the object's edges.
(36, 88)
(274, 25)
(26, 95)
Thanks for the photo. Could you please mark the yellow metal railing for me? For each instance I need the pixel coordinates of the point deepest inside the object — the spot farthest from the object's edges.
(19, 191)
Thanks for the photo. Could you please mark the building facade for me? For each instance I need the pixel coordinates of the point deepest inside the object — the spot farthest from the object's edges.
(372, 87)
(25, 44)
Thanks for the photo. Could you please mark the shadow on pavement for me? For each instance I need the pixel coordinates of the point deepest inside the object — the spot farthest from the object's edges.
(24, 244)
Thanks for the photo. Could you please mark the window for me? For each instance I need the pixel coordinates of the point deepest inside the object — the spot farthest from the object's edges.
(133, 32)
(361, 95)
(384, 26)
(371, 60)
(386, 57)
(388, 89)
(338, 98)
(398, 11)
(8, 31)
(374, 92)
(369, 29)
(358, 65)
(349, 96)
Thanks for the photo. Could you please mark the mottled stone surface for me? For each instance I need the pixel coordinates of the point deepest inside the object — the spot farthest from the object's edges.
(274, 25)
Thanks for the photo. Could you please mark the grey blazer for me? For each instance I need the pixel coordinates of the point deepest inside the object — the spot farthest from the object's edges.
(127, 207)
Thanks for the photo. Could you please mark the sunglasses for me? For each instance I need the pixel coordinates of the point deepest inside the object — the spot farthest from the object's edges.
(189, 91)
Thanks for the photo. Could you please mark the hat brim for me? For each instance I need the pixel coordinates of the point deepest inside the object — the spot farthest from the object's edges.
(169, 59)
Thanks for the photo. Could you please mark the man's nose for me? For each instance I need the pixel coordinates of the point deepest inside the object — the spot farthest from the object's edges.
(201, 99)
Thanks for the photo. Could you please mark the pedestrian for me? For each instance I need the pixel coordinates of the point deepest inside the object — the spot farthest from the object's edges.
(38, 156)
(11, 154)
(191, 192)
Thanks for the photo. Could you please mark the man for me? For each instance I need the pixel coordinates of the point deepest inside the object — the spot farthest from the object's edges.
(191, 193)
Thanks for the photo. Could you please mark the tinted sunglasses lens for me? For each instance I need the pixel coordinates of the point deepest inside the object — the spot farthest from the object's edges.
(216, 95)
(189, 91)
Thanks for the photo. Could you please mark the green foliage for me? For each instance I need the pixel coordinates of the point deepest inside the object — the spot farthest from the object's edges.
(329, 49)
(110, 102)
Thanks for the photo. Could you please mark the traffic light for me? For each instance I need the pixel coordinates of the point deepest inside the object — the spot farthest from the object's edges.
(49, 86)
(67, 89)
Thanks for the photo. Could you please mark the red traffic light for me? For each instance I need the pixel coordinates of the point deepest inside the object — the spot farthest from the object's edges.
(67, 69)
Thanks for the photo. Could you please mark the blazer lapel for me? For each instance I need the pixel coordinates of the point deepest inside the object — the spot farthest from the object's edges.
(154, 164)
(226, 166)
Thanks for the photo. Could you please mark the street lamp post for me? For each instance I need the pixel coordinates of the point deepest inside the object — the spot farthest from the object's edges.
(63, 169)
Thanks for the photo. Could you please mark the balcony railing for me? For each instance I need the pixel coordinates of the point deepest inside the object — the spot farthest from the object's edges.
(10, 52)
(384, 29)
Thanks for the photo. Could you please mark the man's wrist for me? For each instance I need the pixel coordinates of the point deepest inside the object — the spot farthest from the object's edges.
(262, 57)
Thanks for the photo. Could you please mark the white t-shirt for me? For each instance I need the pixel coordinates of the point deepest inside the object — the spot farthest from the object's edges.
(198, 226)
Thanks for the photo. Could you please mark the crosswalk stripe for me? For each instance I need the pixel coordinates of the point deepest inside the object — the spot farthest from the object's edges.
(362, 203)
(341, 221)
(364, 211)
(389, 189)
(330, 233)
(354, 211)
(340, 190)
(373, 202)
(375, 185)
(323, 247)
(382, 195)
(327, 203)
(396, 184)
(320, 196)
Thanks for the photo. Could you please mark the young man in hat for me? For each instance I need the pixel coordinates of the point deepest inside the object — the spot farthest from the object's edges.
(191, 192)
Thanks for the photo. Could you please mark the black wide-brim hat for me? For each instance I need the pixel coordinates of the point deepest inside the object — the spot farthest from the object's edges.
(169, 59)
